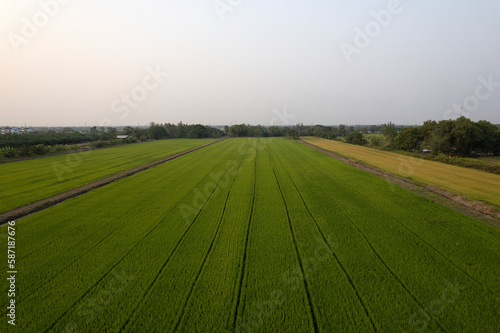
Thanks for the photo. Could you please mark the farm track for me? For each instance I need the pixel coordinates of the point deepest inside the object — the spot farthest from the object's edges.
(409, 230)
(474, 209)
(108, 272)
(49, 202)
(374, 251)
(150, 204)
(382, 260)
(92, 247)
(281, 238)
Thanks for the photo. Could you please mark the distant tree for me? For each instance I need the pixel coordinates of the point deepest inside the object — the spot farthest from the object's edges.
(375, 141)
(407, 139)
(299, 128)
(342, 130)
(172, 130)
(292, 134)
(156, 132)
(127, 130)
(426, 129)
(258, 131)
(197, 131)
(488, 139)
(465, 134)
(181, 130)
(390, 132)
(356, 138)
(235, 131)
(438, 141)
(275, 131)
(111, 133)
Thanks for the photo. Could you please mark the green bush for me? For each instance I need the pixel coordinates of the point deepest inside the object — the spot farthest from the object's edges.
(39, 149)
(59, 148)
(8, 152)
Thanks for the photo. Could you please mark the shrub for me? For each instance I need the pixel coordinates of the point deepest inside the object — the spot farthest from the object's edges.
(8, 152)
(59, 148)
(40, 149)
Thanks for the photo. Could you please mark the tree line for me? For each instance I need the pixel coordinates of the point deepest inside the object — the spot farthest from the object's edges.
(168, 130)
(462, 137)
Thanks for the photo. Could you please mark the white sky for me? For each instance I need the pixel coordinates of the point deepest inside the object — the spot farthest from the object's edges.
(265, 58)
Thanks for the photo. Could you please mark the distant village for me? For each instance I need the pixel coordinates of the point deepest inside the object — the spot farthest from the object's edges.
(15, 130)
(28, 129)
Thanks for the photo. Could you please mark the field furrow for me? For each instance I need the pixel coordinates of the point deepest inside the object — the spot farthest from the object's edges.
(473, 184)
(271, 302)
(131, 236)
(72, 252)
(303, 273)
(27, 181)
(254, 235)
(364, 221)
(330, 246)
(242, 274)
(206, 256)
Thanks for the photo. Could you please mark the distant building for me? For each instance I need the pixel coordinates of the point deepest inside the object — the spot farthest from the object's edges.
(15, 130)
(122, 136)
(25, 130)
(5, 130)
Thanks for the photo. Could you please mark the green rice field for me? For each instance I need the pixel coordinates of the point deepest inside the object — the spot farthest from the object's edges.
(23, 182)
(245, 235)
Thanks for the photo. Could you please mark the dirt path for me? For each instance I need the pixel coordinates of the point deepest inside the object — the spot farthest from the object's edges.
(49, 202)
(474, 209)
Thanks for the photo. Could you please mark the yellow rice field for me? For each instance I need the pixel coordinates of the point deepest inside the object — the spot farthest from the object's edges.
(473, 184)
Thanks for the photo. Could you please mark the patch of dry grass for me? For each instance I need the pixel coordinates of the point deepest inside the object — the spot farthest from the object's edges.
(473, 184)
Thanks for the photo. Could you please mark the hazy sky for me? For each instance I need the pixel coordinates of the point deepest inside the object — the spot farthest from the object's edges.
(67, 63)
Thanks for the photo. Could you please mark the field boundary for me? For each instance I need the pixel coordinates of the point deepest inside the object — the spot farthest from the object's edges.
(54, 200)
(451, 200)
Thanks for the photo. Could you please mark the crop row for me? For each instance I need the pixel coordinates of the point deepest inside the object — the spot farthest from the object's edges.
(255, 235)
(27, 181)
(473, 184)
